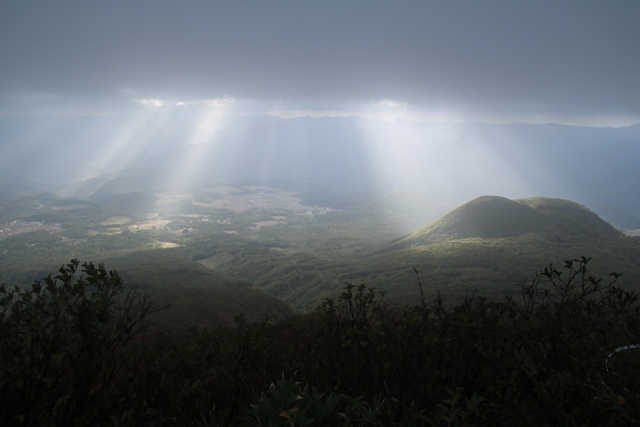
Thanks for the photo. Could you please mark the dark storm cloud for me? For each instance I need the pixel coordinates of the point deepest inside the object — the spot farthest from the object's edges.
(539, 57)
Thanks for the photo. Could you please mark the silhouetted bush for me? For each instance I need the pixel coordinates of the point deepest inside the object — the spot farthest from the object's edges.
(558, 354)
(64, 346)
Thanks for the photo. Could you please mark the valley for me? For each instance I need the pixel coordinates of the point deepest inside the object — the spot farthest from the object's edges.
(300, 247)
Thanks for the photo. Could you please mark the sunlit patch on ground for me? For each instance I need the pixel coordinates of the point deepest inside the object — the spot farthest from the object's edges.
(155, 224)
(116, 220)
(109, 232)
(258, 225)
(19, 227)
(165, 245)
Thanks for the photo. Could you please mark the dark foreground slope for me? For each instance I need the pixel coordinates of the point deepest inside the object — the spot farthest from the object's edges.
(196, 295)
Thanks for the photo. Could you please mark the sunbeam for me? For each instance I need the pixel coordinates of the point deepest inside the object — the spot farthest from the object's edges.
(204, 154)
(467, 160)
(125, 145)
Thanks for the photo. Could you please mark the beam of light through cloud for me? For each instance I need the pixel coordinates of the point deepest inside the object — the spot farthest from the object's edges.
(481, 170)
(204, 155)
(443, 158)
(126, 143)
(263, 152)
(29, 145)
(404, 153)
(448, 152)
(381, 145)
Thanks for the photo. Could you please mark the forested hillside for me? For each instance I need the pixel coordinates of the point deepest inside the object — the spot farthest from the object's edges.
(488, 244)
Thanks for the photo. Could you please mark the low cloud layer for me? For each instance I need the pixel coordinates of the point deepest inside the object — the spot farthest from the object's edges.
(475, 59)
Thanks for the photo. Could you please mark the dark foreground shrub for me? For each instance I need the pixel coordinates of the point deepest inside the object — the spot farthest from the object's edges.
(63, 346)
(562, 353)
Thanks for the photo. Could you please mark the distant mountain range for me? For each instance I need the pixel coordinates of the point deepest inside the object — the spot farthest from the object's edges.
(131, 152)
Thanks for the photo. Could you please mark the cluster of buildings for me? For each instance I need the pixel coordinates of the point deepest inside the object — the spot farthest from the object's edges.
(17, 225)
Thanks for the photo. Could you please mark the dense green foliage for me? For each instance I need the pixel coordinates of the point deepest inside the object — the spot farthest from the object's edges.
(73, 354)
(64, 343)
(490, 217)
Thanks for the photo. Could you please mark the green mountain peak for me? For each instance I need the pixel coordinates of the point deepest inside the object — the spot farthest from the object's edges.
(490, 217)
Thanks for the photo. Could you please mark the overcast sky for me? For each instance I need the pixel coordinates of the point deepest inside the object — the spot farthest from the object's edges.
(563, 61)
